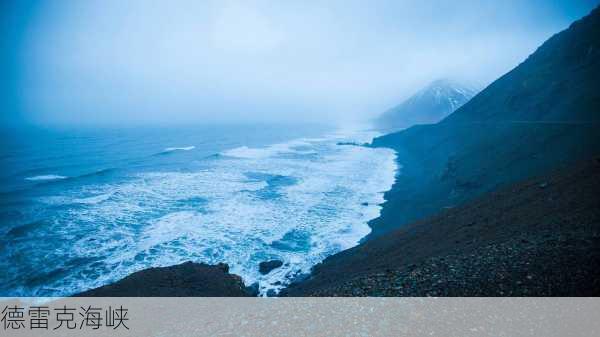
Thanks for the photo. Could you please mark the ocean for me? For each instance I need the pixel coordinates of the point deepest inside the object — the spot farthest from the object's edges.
(80, 208)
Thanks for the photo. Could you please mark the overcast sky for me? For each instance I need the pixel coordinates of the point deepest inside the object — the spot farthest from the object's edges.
(116, 62)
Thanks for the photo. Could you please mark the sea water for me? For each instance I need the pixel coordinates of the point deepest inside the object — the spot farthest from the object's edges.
(80, 208)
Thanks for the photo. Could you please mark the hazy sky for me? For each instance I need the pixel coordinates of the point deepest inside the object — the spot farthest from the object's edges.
(117, 62)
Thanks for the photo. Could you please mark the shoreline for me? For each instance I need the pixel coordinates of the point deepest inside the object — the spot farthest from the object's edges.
(474, 255)
(509, 242)
(147, 273)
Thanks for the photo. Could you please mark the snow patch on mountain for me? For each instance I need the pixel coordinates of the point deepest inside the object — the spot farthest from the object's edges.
(429, 105)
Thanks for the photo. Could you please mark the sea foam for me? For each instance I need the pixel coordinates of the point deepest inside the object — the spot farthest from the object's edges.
(298, 202)
(299, 146)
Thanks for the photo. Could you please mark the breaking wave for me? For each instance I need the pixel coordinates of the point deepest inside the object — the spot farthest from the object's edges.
(185, 148)
(297, 202)
(46, 177)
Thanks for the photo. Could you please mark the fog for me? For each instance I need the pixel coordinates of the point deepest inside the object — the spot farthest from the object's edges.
(132, 62)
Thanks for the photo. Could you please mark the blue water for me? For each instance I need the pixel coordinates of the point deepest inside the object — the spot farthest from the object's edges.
(80, 208)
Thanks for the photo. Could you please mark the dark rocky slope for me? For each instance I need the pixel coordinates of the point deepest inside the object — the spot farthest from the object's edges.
(543, 114)
(540, 237)
(187, 279)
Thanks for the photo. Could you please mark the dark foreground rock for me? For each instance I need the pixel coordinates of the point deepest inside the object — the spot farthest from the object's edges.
(540, 237)
(187, 279)
(265, 267)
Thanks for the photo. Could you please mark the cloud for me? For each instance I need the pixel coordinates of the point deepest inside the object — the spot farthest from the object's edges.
(244, 61)
(241, 28)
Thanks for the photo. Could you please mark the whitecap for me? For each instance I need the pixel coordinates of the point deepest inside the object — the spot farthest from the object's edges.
(184, 148)
(46, 177)
(93, 200)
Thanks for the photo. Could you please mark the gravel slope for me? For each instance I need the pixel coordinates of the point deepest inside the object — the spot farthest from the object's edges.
(540, 237)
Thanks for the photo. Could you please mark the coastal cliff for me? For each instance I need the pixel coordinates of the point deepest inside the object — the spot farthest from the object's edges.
(541, 115)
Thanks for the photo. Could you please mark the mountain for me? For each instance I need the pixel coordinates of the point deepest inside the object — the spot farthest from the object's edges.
(542, 114)
(430, 105)
(455, 222)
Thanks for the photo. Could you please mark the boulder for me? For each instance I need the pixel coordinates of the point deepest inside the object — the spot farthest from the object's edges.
(266, 267)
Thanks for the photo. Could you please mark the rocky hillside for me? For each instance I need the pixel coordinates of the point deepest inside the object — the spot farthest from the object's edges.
(540, 237)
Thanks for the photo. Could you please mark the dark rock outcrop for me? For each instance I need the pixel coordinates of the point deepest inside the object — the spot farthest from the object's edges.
(266, 267)
(187, 279)
(253, 289)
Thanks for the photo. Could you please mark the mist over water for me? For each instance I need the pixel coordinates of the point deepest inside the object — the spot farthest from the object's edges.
(336, 62)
